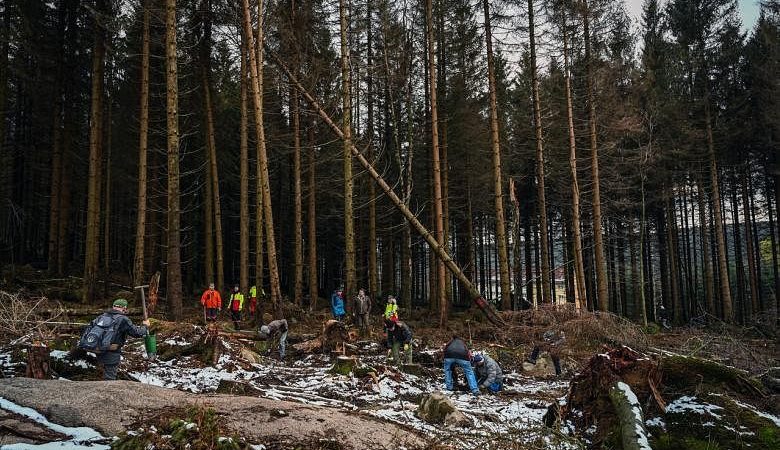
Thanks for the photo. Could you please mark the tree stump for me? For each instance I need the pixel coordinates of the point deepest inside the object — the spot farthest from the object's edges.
(38, 361)
(344, 365)
(437, 408)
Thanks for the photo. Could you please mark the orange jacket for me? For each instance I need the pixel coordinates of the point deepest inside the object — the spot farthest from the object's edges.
(211, 299)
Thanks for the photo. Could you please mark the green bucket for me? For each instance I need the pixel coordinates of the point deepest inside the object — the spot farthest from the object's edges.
(150, 343)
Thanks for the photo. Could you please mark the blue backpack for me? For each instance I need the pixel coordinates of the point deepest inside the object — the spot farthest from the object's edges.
(99, 335)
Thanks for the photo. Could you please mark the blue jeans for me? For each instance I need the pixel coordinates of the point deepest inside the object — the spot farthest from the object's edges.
(467, 370)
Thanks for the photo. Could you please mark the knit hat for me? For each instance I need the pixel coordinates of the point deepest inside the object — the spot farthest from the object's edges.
(120, 302)
(265, 330)
(477, 360)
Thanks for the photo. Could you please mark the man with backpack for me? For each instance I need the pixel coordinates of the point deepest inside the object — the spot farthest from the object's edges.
(106, 335)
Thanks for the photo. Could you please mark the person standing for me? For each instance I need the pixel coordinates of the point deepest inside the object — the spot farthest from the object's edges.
(212, 303)
(457, 353)
(236, 306)
(362, 311)
(489, 373)
(551, 343)
(337, 304)
(276, 329)
(391, 308)
(116, 321)
(398, 334)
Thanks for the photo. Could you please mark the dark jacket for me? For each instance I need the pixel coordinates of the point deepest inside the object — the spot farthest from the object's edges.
(456, 348)
(124, 329)
(401, 333)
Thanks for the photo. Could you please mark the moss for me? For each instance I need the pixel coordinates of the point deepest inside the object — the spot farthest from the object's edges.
(735, 427)
(688, 374)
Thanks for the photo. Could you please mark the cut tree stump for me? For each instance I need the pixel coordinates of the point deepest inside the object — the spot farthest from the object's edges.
(344, 365)
(38, 361)
(437, 408)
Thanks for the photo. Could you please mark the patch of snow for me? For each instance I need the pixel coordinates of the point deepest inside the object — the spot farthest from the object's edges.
(687, 403)
(176, 342)
(774, 419)
(656, 422)
(80, 437)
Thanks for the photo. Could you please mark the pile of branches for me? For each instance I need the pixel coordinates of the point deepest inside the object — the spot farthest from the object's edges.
(25, 316)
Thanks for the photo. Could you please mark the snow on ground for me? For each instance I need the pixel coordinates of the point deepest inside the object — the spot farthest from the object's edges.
(687, 404)
(392, 395)
(80, 437)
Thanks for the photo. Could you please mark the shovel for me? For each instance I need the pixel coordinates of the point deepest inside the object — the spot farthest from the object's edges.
(150, 340)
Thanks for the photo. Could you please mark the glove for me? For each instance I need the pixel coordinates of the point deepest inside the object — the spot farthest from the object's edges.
(406, 347)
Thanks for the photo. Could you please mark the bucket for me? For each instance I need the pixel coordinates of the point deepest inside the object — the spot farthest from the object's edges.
(150, 343)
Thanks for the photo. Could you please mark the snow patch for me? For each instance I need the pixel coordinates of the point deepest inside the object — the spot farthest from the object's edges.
(80, 437)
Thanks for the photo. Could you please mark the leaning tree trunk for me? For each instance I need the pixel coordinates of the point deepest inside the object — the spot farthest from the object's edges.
(143, 142)
(174, 247)
(498, 200)
(437, 199)
(95, 157)
(598, 240)
(440, 250)
(723, 274)
(262, 157)
(544, 243)
(346, 101)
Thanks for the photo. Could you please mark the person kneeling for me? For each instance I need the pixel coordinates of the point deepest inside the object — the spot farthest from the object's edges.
(489, 374)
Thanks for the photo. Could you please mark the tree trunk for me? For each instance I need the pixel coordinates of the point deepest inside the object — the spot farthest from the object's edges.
(598, 242)
(212, 149)
(437, 190)
(346, 101)
(723, 274)
(297, 201)
(107, 199)
(312, 221)
(143, 142)
(243, 250)
(259, 203)
(373, 280)
(498, 200)
(410, 216)
(752, 272)
(579, 266)
(673, 254)
(255, 61)
(740, 303)
(709, 282)
(95, 157)
(174, 289)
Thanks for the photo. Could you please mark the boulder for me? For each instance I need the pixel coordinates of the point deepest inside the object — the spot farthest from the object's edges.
(437, 408)
(544, 367)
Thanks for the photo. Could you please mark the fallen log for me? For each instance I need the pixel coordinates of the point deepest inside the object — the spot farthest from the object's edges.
(629, 412)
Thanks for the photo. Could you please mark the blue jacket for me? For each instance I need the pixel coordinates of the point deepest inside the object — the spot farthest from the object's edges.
(337, 305)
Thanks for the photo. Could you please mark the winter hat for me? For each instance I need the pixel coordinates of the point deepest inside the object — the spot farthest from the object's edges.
(265, 330)
(120, 303)
(477, 360)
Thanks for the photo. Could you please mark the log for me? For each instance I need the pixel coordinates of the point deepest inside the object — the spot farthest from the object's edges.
(344, 365)
(629, 412)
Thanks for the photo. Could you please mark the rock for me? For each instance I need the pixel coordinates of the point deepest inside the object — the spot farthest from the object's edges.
(544, 367)
(439, 409)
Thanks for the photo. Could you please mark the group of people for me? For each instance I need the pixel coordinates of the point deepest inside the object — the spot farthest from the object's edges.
(481, 372)
(212, 305)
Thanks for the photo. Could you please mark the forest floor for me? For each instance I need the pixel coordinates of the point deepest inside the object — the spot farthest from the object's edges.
(245, 397)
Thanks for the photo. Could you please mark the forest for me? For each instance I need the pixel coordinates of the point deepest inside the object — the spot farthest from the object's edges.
(628, 165)
(505, 165)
